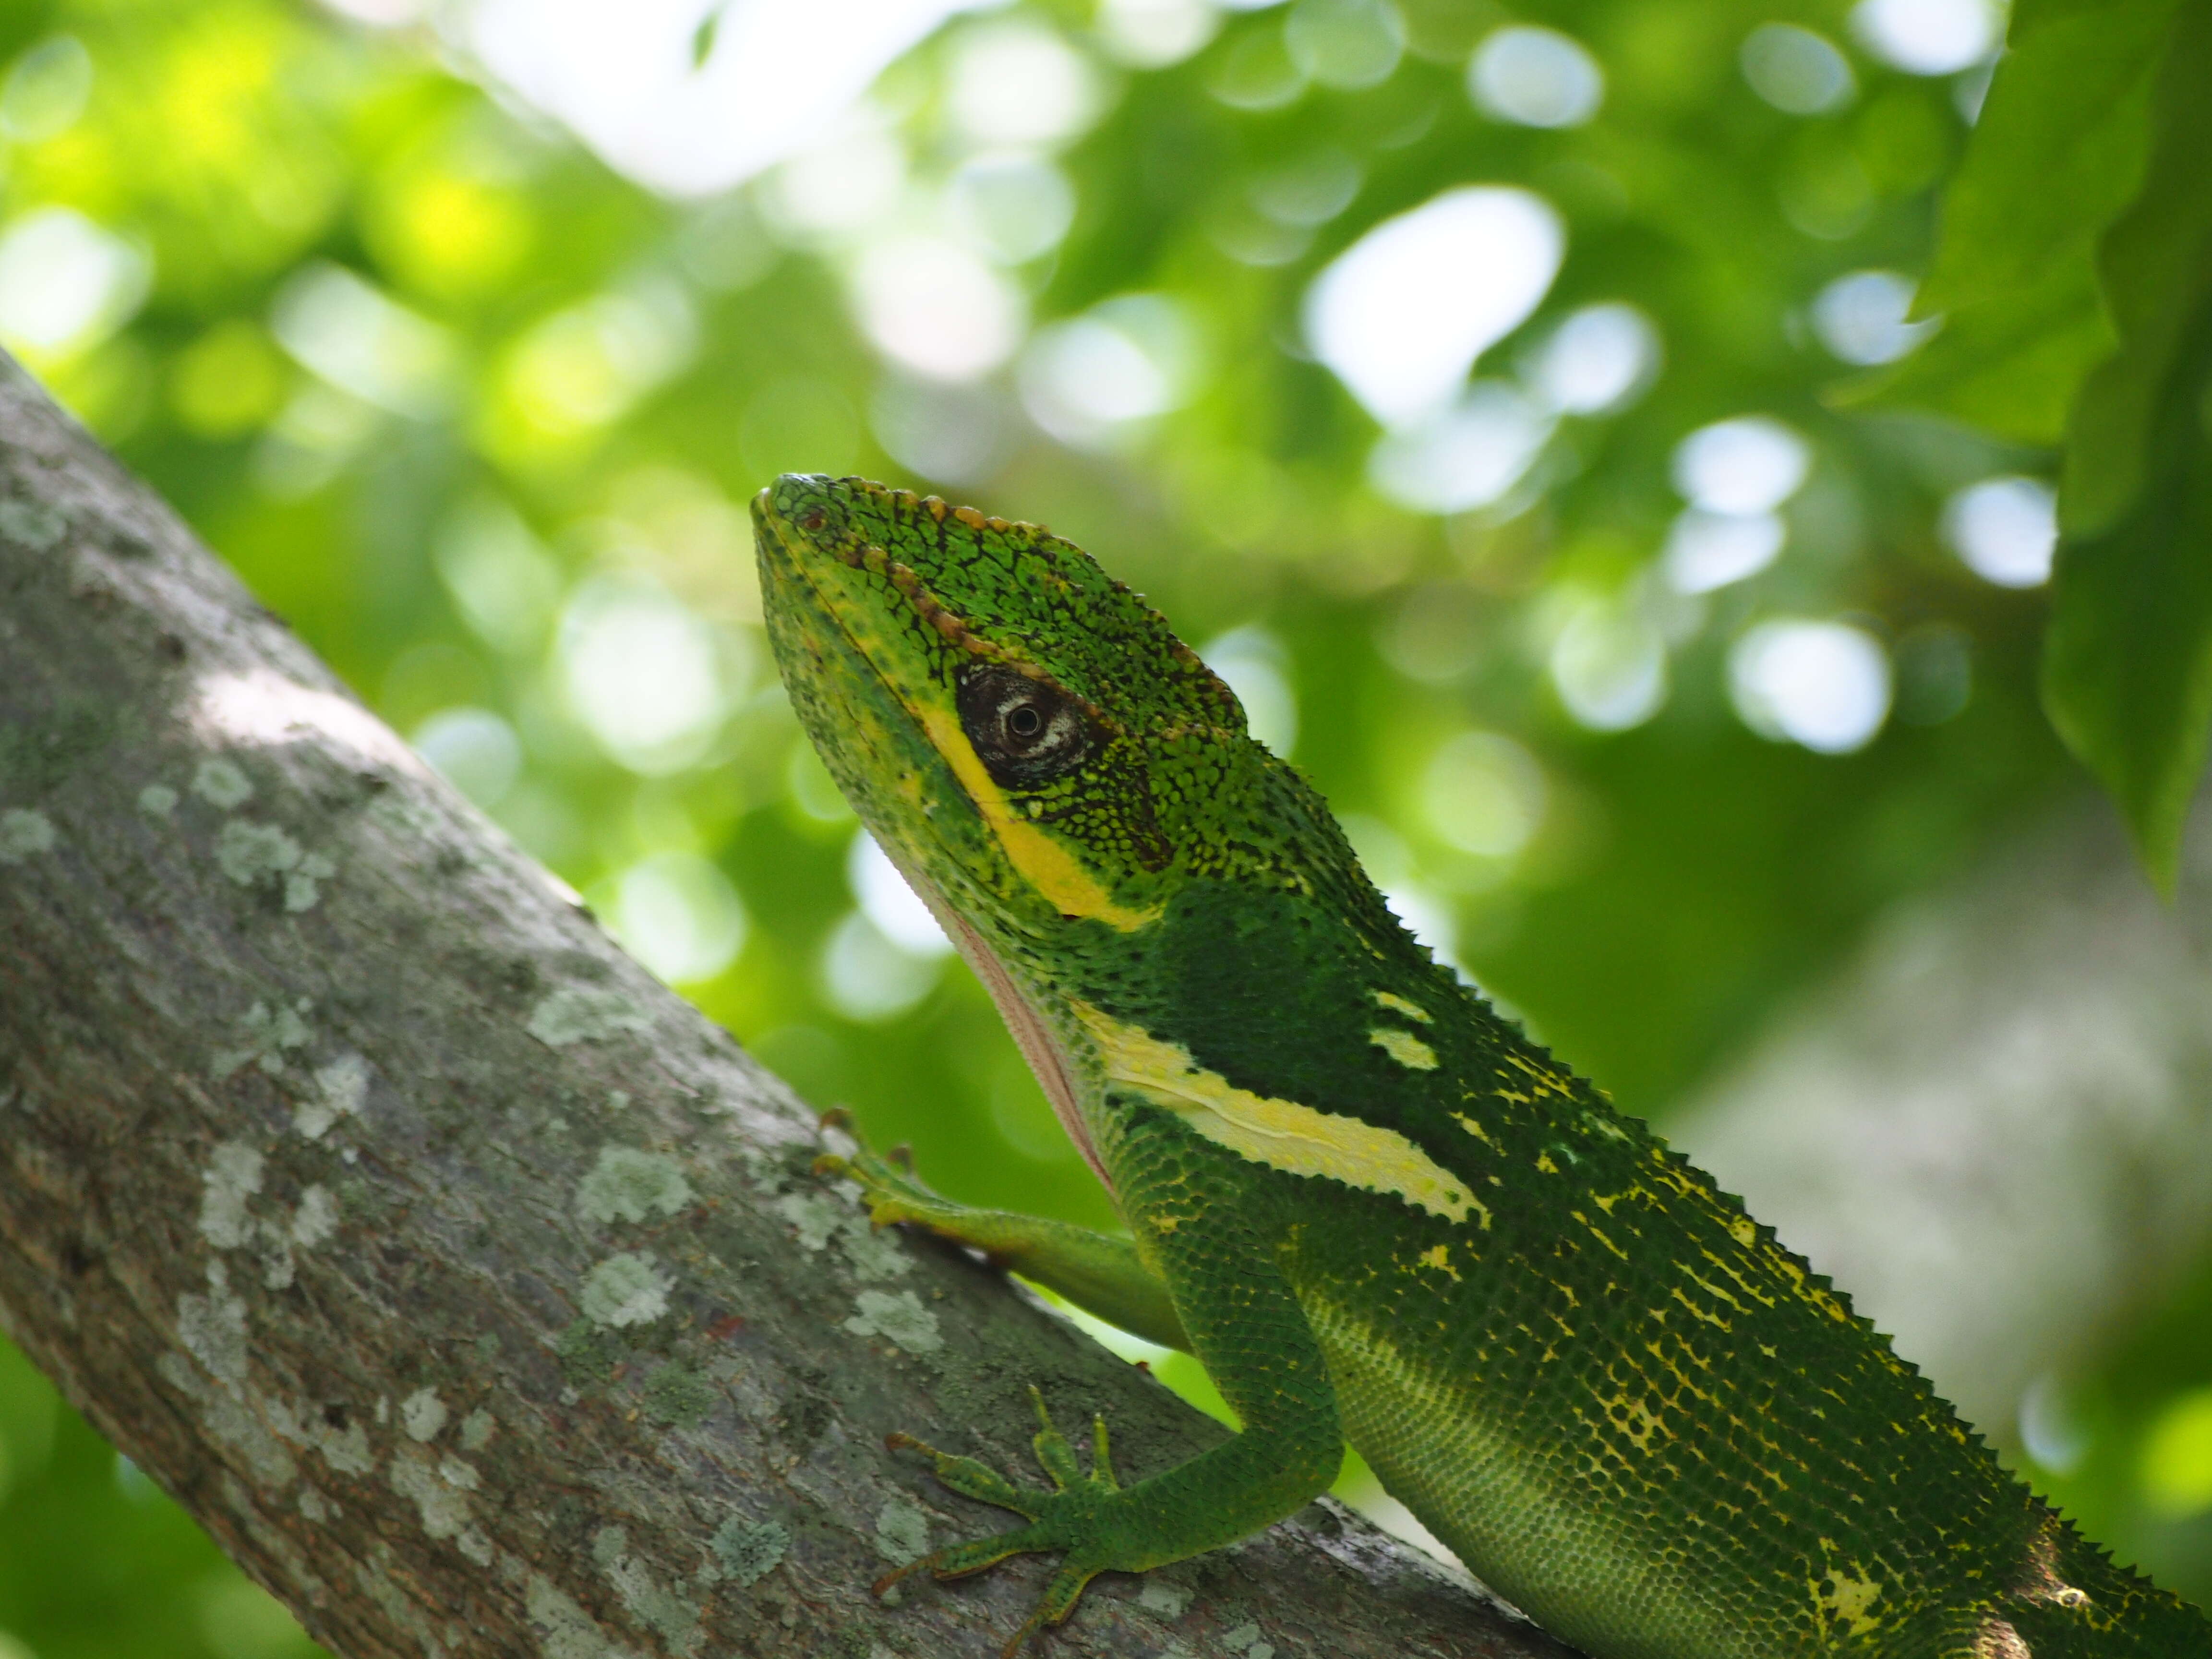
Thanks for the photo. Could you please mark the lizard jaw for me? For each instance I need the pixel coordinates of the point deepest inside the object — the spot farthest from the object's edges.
(1031, 1034)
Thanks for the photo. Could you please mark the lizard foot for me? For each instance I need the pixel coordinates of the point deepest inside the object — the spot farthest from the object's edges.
(1080, 1517)
(891, 1188)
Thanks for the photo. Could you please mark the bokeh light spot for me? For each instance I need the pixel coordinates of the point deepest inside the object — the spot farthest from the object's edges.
(1015, 207)
(933, 307)
(2177, 1457)
(1596, 360)
(1707, 550)
(1928, 37)
(678, 915)
(643, 674)
(1751, 464)
(2004, 529)
(1016, 82)
(1401, 315)
(65, 283)
(1483, 793)
(1797, 72)
(1468, 456)
(1257, 669)
(1124, 360)
(351, 334)
(1609, 666)
(46, 91)
(886, 900)
(1535, 78)
(475, 750)
(1345, 43)
(1860, 318)
(1823, 684)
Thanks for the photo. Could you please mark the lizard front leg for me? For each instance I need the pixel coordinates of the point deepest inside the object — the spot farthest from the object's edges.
(1254, 1341)
(1100, 1274)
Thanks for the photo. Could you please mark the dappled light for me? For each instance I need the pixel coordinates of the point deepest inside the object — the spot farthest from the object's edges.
(1526, 415)
(1402, 316)
(1822, 684)
(2005, 530)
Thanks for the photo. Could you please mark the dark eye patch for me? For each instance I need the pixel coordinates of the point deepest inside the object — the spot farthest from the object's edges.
(1024, 732)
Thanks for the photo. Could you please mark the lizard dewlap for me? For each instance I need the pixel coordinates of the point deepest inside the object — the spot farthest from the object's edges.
(1373, 1209)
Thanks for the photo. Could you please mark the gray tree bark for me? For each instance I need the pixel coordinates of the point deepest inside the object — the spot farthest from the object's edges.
(468, 1285)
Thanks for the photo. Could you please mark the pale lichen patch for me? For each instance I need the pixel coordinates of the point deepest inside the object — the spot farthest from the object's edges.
(565, 1631)
(584, 1014)
(815, 1217)
(270, 1033)
(872, 1254)
(628, 1184)
(901, 1319)
(346, 1449)
(477, 1428)
(32, 524)
(157, 800)
(230, 1181)
(1167, 1600)
(902, 1531)
(248, 851)
(1405, 1047)
(748, 1554)
(221, 784)
(455, 1472)
(341, 1088)
(422, 1414)
(626, 1289)
(302, 888)
(675, 1618)
(25, 833)
(212, 1328)
(316, 1221)
(442, 1509)
(252, 853)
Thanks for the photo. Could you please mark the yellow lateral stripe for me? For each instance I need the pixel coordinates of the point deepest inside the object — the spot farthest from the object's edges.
(1392, 1000)
(1044, 863)
(1280, 1134)
(1405, 1047)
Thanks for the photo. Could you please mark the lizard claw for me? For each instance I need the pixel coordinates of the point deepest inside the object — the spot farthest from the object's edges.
(1072, 1518)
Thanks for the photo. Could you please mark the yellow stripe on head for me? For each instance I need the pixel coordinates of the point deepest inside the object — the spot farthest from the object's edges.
(1042, 860)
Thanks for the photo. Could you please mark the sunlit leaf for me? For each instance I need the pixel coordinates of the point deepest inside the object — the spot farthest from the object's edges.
(2128, 670)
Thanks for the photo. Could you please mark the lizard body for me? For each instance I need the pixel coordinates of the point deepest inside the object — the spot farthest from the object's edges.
(1373, 1209)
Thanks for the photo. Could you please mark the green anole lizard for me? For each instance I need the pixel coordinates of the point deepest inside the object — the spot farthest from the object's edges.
(1373, 1209)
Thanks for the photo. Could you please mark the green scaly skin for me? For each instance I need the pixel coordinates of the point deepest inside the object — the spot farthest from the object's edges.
(1374, 1210)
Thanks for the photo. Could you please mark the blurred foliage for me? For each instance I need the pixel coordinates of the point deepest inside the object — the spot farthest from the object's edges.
(479, 415)
(2081, 222)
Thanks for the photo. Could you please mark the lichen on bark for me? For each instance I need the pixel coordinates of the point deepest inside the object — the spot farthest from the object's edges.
(471, 1288)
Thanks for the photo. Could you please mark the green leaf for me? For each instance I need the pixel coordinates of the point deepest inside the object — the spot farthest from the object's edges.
(2011, 368)
(2128, 661)
(2059, 149)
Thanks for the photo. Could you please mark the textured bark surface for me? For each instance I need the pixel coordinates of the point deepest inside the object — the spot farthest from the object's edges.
(470, 1287)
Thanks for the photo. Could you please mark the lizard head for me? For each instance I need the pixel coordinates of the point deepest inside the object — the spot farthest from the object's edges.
(1022, 733)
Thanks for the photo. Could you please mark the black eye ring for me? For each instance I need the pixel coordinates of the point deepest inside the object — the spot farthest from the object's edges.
(1026, 732)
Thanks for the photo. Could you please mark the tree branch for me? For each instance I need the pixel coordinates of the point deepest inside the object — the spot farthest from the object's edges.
(469, 1286)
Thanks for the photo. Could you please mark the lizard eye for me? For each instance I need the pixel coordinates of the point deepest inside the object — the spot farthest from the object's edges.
(1025, 732)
